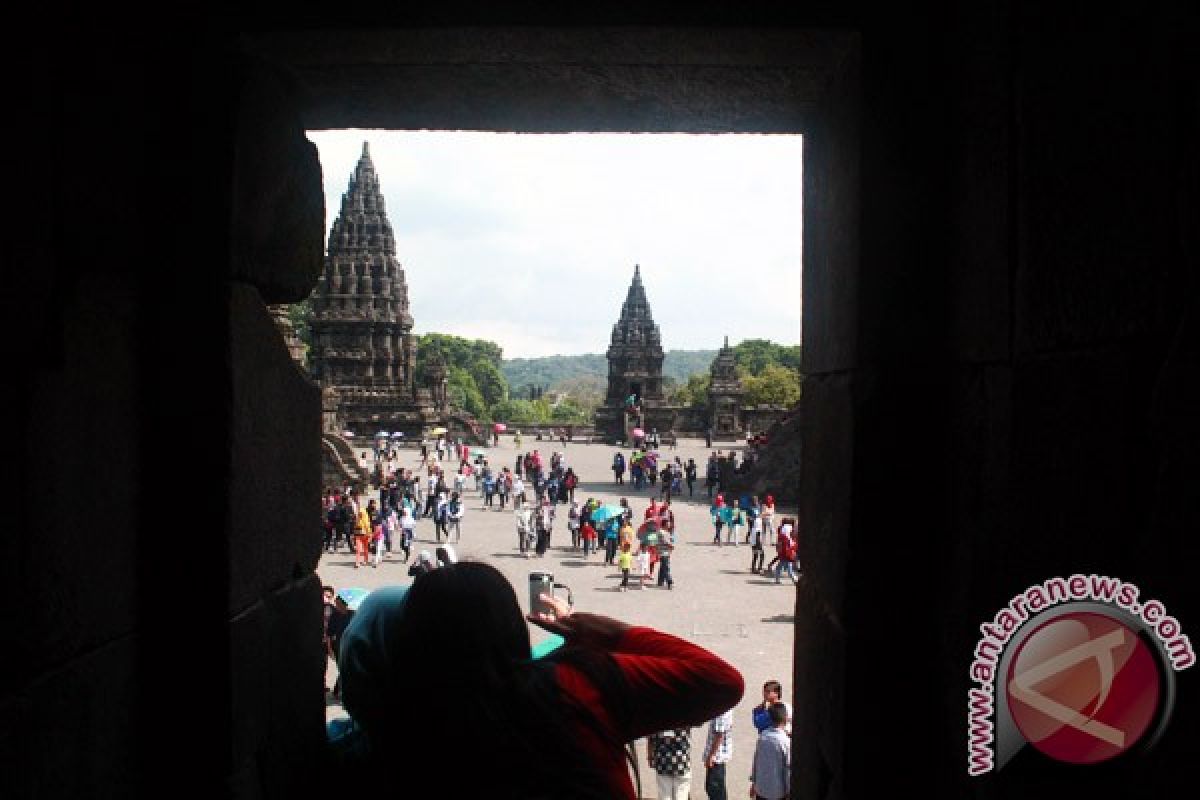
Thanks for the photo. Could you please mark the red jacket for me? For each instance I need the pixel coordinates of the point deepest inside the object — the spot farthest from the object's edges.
(785, 547)
(672, 683)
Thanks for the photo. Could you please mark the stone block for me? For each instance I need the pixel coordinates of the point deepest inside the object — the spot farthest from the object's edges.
(72, 564)
(277, 229)
(73, 732)
(275, 456)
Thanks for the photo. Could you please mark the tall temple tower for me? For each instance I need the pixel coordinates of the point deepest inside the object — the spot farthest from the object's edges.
(725, 394)
(635, 358)
(363, 347)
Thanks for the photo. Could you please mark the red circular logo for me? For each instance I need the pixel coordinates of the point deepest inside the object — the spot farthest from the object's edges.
(1083, 688)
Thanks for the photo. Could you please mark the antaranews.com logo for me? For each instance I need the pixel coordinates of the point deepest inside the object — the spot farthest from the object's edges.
(1077, 667)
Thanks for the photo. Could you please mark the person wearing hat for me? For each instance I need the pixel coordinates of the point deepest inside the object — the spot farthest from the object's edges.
(547, 722)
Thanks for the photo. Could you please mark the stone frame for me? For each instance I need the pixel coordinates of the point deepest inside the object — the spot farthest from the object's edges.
(768, 80)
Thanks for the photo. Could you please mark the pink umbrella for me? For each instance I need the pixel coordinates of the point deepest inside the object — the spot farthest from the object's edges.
(638, 433)
(499, 427)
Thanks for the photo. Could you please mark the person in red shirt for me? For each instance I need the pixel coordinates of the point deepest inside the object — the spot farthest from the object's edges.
(552, 727)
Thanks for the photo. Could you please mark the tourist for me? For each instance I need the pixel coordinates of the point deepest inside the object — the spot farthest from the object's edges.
(718, 752)
(611, 536)
(768, 515)
(712, 475)
(570, 481)
(772, 692)
(441, 516)
(734, 519)
(625, 564)
(339, 619)
(587, 533)
(376, 535)
(489, 487)
(347, 521)
(503, 487)
(327, 594)
(408, 526)
(548, 727)
(669, 754)
(333, 513)
(454, 513)
(618, 468)
(573, 524)
(785, 551)
(770, 777)
(518, 491)
(756, 545)
(525, 529)
(716, 511)
(362, 534)
(545, 526)
(665, 551)
(642, 560)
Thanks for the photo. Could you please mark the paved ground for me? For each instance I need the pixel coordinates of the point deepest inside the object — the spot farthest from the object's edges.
(716, 603)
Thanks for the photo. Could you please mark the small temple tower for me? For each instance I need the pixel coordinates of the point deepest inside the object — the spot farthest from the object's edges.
(725, 395)
(635, 357)
(363, 347)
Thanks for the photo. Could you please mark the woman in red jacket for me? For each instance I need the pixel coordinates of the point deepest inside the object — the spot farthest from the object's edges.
(785, 551)
(503, 724)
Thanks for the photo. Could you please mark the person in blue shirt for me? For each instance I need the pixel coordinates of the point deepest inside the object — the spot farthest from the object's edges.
(772, 693)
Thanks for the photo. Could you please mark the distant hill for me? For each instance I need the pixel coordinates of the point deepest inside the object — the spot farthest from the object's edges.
(552, 371)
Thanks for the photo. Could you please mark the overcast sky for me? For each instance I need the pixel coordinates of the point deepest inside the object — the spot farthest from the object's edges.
(530, 240)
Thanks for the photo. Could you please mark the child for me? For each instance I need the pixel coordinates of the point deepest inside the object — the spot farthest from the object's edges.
(588, 534)
(643, 566)
(625, 562)
(377, 547)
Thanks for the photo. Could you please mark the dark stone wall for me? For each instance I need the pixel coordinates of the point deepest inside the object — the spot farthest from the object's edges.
(1000, 336)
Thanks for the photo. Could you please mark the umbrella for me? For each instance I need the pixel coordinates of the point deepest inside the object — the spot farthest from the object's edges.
(638, 433)
(438, 431)
(353, 596)
(499, 427)
(607, 512)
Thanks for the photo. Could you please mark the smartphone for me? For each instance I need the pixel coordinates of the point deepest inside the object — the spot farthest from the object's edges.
(540, 583)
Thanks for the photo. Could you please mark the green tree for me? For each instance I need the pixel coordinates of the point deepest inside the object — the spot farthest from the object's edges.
(463, 393)
(775, 385)
(755, 355)
(512, 411)
(693, 393)
(490, 381)
(568, 411)
(298, 314)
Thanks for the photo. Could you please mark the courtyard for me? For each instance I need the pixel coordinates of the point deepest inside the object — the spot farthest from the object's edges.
(717, 602)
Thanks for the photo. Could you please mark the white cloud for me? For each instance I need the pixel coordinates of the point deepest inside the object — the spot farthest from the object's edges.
(530, 239)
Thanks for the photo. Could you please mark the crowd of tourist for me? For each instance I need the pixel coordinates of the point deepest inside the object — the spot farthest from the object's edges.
(639, 545)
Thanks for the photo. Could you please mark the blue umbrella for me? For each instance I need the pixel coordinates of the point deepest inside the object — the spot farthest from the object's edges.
(353, 596)
(607, 512)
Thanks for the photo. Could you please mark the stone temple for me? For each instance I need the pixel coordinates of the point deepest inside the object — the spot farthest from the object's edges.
(363, 349)
(635, 359)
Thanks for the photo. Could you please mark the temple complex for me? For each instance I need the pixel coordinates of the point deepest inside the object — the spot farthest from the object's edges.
(363, 349)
